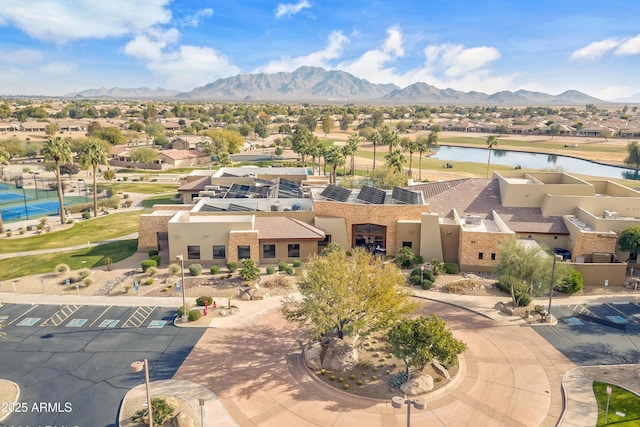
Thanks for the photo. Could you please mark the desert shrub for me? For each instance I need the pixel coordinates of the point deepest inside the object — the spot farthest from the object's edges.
(437, 266)
(62, 269)
(174, 269)
(289, 270)
(87, 281)
(296, 263)
(352, 377)
(249, 270)
(162, 411)
(232, 266)
(340, 380)
(346, 386)
(126, 196)
(148, 263)
(571, 283)
(398, 379)
(9, 234)
(426, 284)
(194, 315)
(271, 270)
(460, 287)
(204, 300)
(86, 215)
(181, 310)
(405, 257)
(156, 258)
(195, 269)
(281, 281)
(83, 273)
(450, 268)
(282, 266)
(418, 259)
(520, 294)
(29, 227)
(332, 378)
(152, 252)
(538, 308)
(323, 371)
(414, 277)
(152, 270)
(360, 382)
(215, 269)
(524, 300)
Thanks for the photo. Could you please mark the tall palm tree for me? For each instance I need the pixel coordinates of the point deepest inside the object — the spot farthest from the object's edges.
(411, 146)
(421, 147)
(396, 160)
(352, 143)
(335, 159)
(93, 154)
(4, 159)
(58, 150)
(492, 141)
(376, 139)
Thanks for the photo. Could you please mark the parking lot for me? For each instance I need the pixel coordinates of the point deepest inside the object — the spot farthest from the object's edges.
(76, 359)
(596, 334)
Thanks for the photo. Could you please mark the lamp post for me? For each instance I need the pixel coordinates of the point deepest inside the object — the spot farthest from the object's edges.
(553, 274)
(35, 182)
(421, 274)
(137, 367)
(398, 401)
(185, 317)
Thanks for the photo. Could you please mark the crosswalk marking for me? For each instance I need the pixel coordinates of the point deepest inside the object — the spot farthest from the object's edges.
(138, 317)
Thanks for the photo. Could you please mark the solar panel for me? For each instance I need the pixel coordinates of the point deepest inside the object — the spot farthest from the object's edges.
(259, 192)
(336, 193)
(209, 208)
(405, 196)
(371, 195)
(237, 191)
(263, 181)
(288, 189)
(238, 208)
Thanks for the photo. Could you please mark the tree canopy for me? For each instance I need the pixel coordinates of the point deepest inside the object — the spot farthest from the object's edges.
(629, 241)
(349, 296)
(144, 155)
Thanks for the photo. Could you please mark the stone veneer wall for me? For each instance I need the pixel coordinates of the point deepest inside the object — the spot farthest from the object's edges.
(245, 237)
(585, 243)
(355, 213)
(472, 243)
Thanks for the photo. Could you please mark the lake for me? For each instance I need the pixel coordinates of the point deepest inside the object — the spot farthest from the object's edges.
(533, 161)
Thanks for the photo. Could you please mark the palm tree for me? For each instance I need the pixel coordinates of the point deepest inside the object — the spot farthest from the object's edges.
(223, 160)
(59, 151)
(633, 148)
(335, 159)
(396, 160)
(93, 154)
(352, 143)
(376, 139)
(421, 146)
(492, 141)
(4, 159)
(408, 144)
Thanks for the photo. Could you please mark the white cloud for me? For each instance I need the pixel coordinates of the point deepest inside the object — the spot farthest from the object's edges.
(194, 20)
(456, 60)
(595, 50)
(61, 21)
(285, 9)
(21, 57)
(611, 93)
(149, 46)
(629, 47)
(321, 58)
(371, 65)
(58, 68)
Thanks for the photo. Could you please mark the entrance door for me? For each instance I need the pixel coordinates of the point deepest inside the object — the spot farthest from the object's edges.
(369, 236)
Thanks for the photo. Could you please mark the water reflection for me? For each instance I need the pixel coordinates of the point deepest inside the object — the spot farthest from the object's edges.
(552, 158)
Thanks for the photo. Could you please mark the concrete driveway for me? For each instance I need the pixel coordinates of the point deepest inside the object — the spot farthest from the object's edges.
(510, 376)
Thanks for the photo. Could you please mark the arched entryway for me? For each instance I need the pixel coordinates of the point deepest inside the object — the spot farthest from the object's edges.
(369, 236)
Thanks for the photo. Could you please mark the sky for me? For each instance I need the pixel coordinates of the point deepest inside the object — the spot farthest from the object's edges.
(55, 47)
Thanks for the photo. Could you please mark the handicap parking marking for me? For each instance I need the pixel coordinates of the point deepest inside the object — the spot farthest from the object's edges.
(3, 318)
(572, 321)
(617, 319)
(157, 324)
(108, 323)
(29, 321)
(76, 323)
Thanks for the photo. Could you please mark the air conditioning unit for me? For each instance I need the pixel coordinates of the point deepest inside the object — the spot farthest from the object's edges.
(610, 214)
(473, 219)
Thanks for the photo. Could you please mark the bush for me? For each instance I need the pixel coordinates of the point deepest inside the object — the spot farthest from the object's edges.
(215, 269)
(157, 259)
(346, 386)
(289, 270)
(282, 266)
(87, 281)
(416, 274)
(152, 270)
(271, 270)
(418, 259)
(148, 282)
(296, 263)
(29, 227)
(426, 284)
(174, 269)
(405, 257)
(571, 283)
(152, 252)
(204, 300)
(83, 273)
(249, 270)
(126, 196)
(162, 411)
(232, 266)
(450, 268)
(524, 300)
(195, 269)
(181, 310)
(62, 269)
(86, 215)
(148, 263)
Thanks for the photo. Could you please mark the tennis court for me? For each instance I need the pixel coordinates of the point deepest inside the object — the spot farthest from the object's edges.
(9, 197)
(32, 210)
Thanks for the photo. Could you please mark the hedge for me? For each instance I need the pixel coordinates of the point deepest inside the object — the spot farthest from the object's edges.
(204, 300)
(148, 263)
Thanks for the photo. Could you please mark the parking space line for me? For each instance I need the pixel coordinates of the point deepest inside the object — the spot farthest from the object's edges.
(61, 315)
(138, 317)
(101, 314)
(23, 314)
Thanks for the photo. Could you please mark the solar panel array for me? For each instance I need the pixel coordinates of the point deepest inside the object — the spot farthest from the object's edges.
(336, 193)
(209, 208)
(239, 208)
(260, 192)
(288, 189)
(371, 195)
(237, 191)
(405, 196)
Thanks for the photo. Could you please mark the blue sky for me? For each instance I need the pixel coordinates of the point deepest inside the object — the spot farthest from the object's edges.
(53, 47)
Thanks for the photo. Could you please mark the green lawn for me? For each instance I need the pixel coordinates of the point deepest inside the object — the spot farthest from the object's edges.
(145, 187)
(83, 258)
(160, 200)
(622, 401)
(94, 230)
(542, 145)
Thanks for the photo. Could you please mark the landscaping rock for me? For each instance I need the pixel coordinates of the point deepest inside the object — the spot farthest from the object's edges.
(441, 370)
(339, 356)
(418, 385)
(312, 356)
(182, 420)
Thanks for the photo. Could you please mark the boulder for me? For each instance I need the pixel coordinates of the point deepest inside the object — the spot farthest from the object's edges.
(440, 369)
(312, 356)
(418, 385)
(339, 356)
(182, 420)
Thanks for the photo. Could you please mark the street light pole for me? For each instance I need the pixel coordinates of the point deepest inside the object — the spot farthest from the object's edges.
(185, 317)
(137, 367)
(553, 274)
(398, 401)
(421, 274)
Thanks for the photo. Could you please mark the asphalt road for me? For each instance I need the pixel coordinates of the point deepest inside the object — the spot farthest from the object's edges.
(587, 342)
(73, 363)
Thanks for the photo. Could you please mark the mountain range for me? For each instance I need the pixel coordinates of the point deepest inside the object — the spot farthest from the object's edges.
(315, 84)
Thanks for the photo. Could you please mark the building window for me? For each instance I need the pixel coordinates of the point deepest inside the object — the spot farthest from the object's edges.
(194, 195)
(293, 250)
(480, 255)
(193, 252)
(244, 252)
(323, 244)
(493, 256)
(219, 252)
(268, 251)
(407, 244)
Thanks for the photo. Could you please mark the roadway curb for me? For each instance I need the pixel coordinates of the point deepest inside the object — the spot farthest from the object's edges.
(5, 414)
